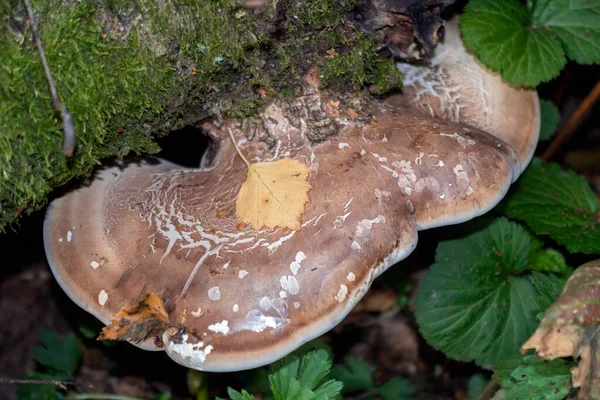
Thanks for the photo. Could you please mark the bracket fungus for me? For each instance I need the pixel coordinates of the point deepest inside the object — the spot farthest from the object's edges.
(238, 298)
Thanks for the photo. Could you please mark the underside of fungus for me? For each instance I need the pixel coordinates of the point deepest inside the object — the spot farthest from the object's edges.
(237, 298)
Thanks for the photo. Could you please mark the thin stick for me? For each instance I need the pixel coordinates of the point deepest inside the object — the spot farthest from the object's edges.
(237, 148)
(573, 122)
(100, 396)
(11, 381)
(68, 128)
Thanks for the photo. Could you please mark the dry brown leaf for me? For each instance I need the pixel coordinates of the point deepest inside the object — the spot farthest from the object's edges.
(146, 319)
(274, 194)
(571, 328)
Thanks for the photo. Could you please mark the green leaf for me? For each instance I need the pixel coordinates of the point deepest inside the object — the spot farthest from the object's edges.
(39, 392)
(529, 377)
(354, 374)
(548, 260)
(476, 385)
(61, 355)
(500, 35)
(235, 395)
(295, 380)
(550, 117)
(549, 287)
(470, 305)
(396, 389)
(559, 203)
(576, 23)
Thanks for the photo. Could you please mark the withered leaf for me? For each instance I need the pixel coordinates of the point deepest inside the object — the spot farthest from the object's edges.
(146, 319)
(570, 328)
(274, 194)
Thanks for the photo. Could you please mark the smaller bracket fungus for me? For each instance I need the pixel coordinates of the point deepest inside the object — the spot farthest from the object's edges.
(236, 298)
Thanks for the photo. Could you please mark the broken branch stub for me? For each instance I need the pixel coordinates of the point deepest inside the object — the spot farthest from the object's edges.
(237, 298)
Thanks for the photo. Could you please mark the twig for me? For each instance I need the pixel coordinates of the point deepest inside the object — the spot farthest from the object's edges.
(11, 381)
(573, 122)
(489, 391)
(100, 396)
(237, 148)
(68, 128)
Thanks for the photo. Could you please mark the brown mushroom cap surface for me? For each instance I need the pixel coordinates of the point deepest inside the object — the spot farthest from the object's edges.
(238, 298)
(457, 87)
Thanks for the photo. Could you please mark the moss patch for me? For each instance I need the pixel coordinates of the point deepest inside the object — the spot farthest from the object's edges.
(129, 71)
(114, 90)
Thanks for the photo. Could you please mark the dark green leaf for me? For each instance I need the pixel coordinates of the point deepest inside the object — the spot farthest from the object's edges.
(550, 117)
(529, 377)
(39, 392)
(575, 22)
(559, 203)
(295, 380)
(58, 354)
(469, 304)
(499, 34)
(354, 374)
(549, 287)
(476, 385)
(396, 389)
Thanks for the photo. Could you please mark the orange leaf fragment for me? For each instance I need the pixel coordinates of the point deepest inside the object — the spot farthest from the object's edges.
(146, 319)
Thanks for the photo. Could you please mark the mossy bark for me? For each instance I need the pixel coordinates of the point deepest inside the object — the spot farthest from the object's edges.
(131, 71)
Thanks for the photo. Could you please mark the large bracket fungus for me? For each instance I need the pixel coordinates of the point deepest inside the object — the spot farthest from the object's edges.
(237, 298)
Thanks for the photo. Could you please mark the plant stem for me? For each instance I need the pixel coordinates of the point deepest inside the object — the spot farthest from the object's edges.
(237, 148)
(573, 122)
(68, 128)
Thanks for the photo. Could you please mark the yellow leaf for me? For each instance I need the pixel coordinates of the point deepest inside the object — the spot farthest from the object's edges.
(274, 194)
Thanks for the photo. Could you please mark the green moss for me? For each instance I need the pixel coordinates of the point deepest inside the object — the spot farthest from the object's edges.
(131, 70)
(114, 91)
(360, 65)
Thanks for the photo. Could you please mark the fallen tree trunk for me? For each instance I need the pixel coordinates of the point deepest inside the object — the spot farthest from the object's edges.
(130, 72)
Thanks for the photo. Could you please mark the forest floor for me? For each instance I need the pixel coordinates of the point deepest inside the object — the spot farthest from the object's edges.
(380, 331)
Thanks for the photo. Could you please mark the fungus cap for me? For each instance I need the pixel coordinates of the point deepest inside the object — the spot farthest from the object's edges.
(237, 298)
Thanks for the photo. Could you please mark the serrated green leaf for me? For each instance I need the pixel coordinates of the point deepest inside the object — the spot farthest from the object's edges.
(469, 304)
(58, 354)
(548, 260)
(550, 117)
(354, 374)
(549, 287)
(558, 203)
(476, 385)
(575, 22)
(295, 380)
(396, 389)
(529, 377)
(500, 35)
(235, 395)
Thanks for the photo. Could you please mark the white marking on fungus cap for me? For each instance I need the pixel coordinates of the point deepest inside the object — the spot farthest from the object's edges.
(343, 145)
(236, 308)
(214, 293)
(300, 256)
(94, 264)
(60, 240)
(342, 293)
(69, 236)
(355, 246)
(296, 305)
(220, 327)
(265, 303)
(294, 267)
(226, 265)
(283, 294)
(102, 297)
(351, 277)
(290, 284)
(242, 273)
